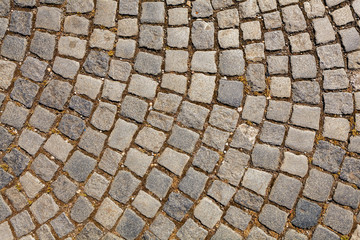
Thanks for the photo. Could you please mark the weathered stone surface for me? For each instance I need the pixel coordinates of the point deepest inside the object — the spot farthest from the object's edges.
(123, 186)
(307, 214)
(56, 94)
(79, 166)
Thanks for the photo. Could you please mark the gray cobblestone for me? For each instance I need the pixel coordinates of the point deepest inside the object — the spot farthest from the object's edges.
(193, 183)
(307, 214)
(81, 210)
(256, 180)
(58, 147)
(173, 160)
(55, 94)
(347, 195)
(105, 13)
(7, 70)
(190, 229)
(22, 223)
(21, 22)
(14, 115)
(146, 204)
(122, 134)
(96, 186)
(137, 161)
(123, 186)
(62, 225)
(77, 25)
(177, 206)
(44, 208)
(158, 183)
(63, 188)
(130, 225)
(108, 213)
(162, 227)
(14, 47)
(273, 218)
(79, 166)
(249, 200)
(338, 219)
(202, 34)
(71, 126)
(233, 167)
(221, 192)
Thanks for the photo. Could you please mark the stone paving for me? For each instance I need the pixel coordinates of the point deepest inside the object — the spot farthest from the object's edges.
(175, 119)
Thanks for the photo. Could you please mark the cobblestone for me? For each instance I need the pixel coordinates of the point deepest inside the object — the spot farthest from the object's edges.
(318, 185)
(155, 123)
(237, 218)
(307, 214)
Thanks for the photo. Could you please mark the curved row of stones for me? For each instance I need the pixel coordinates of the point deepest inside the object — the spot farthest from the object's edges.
(179, 120)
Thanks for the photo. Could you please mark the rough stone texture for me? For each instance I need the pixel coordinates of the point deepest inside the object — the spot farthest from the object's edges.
(21, 22)
(338, 219)
(146, 204)
(190, 230)
(96, 186)
(7, 70)
(63, 188)
(336, 128)
(295, 164)
(104, 116)
(122, 134)
(254, 108)
(301, 140)
(249, 200)
(150, 139)
(43, 45)
(71, 126)
(205, 119)
(123, 186)
(264, 156)
(273, 218)
(158, 183)
(206, 159)
(16, 160)
(44, 208)
(193, 183)
(62, 225)
(347, 195)
(173, 160)
(14, 47)
(55, 94)
(237, 218)
(177, 206)
(307, 214)
(148, 63)
(256, 180)
(130, 225)
(22, 223)
(233, 166)
(318, 185)
(108, 213)
(244, 137)
(349, 170)
(328, 156)
(79, 166)
(137, 161)
(97, 63)
(230, 92)
(48, 18)
(285, 191)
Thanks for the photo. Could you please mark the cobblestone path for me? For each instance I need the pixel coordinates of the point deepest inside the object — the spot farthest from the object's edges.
(175, 119)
